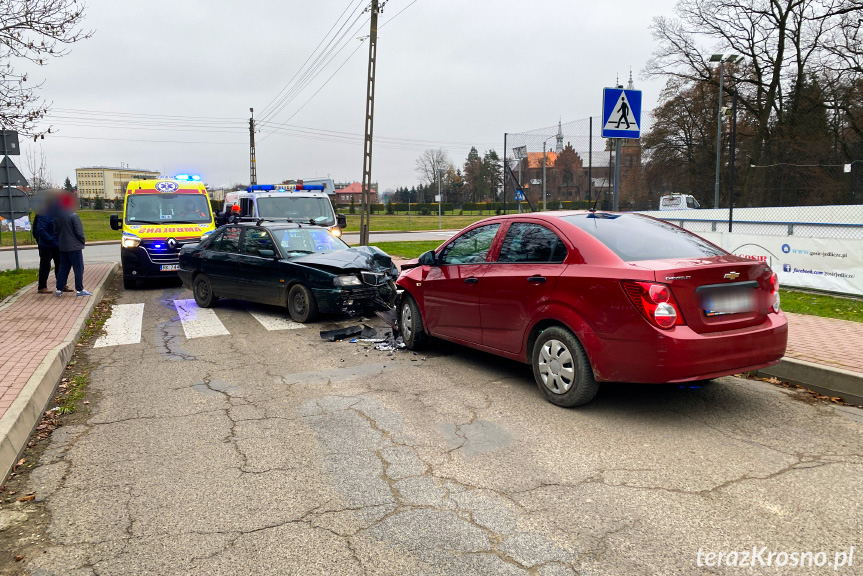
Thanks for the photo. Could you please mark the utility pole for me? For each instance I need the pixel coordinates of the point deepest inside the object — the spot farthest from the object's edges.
(439, 198)
(370, 120)
(733, 154)
(253, 167)
(616, 195)
(590, 163)
(544, 207)
(718, 136)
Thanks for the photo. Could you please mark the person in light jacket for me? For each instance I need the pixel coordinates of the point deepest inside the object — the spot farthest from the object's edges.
(71, 239)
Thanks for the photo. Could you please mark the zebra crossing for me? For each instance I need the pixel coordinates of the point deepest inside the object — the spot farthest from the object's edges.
(124, 327)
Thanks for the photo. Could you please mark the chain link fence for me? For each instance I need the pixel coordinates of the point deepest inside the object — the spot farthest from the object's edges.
(570, 166)
(565, 166)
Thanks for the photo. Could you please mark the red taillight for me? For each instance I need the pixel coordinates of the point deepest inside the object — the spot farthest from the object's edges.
(655, 302)
(774, 291)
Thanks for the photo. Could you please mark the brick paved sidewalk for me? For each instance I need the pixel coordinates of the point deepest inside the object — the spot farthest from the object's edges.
(34, 324)
(826, 341)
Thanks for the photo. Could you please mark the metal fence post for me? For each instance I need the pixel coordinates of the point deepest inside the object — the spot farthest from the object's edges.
(733, 154)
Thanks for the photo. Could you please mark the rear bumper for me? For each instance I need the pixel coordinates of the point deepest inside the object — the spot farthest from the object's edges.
(682, 355)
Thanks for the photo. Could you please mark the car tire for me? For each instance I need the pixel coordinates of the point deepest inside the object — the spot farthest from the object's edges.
(561, 368)
(202, 289)
(302, 305)
(411, 323)
(129, 283)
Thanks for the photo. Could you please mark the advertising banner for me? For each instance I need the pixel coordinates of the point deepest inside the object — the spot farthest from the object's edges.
(829, 264)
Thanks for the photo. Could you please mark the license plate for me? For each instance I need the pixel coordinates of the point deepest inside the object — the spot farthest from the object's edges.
(169, 267)
(729, 302)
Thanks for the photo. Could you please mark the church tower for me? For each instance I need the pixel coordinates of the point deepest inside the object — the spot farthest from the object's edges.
(559, 146)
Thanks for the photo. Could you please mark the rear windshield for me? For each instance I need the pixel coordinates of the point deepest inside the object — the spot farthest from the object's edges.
(635, 237)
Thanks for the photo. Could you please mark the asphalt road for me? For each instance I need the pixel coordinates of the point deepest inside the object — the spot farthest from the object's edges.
(244, 450)
(111, 252)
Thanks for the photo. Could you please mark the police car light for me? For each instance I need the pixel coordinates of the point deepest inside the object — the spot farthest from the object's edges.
(196, 178)
(184, 177)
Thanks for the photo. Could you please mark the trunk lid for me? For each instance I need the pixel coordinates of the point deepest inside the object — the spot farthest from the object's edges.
(716, 293)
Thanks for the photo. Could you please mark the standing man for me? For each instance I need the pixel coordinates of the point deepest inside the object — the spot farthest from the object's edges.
(71, 239)
(49, 249)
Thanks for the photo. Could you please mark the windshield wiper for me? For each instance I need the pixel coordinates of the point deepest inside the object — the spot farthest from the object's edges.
(301, 251)
(185, 222)
(133, 222)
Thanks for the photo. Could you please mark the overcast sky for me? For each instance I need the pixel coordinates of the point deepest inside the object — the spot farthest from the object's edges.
(449, 73)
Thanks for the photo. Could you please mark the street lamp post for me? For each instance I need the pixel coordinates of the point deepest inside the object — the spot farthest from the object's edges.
(544, 193)
(722, 59)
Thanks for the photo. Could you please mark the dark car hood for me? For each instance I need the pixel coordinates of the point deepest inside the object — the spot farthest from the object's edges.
(360, 258)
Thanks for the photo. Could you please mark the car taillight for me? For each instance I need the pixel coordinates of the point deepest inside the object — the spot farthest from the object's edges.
(655, 302)
(774, 291)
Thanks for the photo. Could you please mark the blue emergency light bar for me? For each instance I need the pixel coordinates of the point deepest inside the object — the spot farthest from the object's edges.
(188, 177)
(283, 187)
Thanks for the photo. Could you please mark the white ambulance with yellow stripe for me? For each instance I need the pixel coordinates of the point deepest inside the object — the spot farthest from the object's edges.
(160, 217)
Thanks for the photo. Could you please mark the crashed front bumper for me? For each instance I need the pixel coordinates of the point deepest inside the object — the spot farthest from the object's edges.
(349, 299)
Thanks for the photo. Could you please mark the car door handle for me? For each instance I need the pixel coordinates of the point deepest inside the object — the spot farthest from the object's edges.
(539, 279)
(471, 280)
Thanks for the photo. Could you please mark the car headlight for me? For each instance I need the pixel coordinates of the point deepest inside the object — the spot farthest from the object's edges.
(347, 281)
(337, 232)
(130, 240)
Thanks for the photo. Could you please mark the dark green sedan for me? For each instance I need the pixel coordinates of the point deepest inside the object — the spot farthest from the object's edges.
(300, 266)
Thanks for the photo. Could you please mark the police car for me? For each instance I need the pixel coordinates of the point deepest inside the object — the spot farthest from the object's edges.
(298, 202)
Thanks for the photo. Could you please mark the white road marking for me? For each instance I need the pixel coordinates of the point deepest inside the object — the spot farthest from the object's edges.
(199, 322)
(274, 320)
(123, 327)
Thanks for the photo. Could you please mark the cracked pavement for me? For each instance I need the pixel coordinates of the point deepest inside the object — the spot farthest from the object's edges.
(276, 453)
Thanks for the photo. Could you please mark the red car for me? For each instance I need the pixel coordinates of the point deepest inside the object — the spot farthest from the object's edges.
(588, 297)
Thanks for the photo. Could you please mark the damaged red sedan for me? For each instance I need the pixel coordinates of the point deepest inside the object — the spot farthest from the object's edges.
(589, 297)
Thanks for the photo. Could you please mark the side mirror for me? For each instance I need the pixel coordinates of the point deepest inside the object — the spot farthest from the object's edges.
(267, 253)
(341, 221)
(115, 222)
(428, 258)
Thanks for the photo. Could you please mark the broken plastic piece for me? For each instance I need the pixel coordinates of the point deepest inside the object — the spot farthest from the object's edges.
(341, 333)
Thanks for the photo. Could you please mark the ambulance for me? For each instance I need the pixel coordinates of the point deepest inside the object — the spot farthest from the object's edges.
(298, 202)
(159, 218)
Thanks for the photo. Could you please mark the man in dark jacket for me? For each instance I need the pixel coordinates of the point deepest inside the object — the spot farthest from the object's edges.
(70, 239)
(49, 250)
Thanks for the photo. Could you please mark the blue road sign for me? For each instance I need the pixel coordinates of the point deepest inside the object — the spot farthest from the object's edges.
(519, 196)
(621, 113)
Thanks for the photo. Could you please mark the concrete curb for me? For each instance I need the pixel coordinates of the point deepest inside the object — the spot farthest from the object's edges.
(34, 247)
(25, 413)
(827, 380)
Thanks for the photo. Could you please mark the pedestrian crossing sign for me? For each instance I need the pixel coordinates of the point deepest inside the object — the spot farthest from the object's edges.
(621, 113)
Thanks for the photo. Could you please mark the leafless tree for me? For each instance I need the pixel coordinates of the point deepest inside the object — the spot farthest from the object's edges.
(430, 163)
(34, 31)
(782, 42)
(37, 168)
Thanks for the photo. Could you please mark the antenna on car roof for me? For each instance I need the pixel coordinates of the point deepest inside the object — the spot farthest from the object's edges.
(595, 202)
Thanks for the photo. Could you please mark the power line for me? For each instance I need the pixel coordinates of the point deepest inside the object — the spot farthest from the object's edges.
(266, 108)
(306, 74)
(397, 14)
(154, 141)
(317, 68)
(319, 89)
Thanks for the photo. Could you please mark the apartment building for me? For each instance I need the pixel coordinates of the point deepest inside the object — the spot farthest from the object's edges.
(108, 182)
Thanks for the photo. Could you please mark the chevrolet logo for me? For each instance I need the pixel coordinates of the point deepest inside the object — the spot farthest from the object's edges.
(732, 276)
